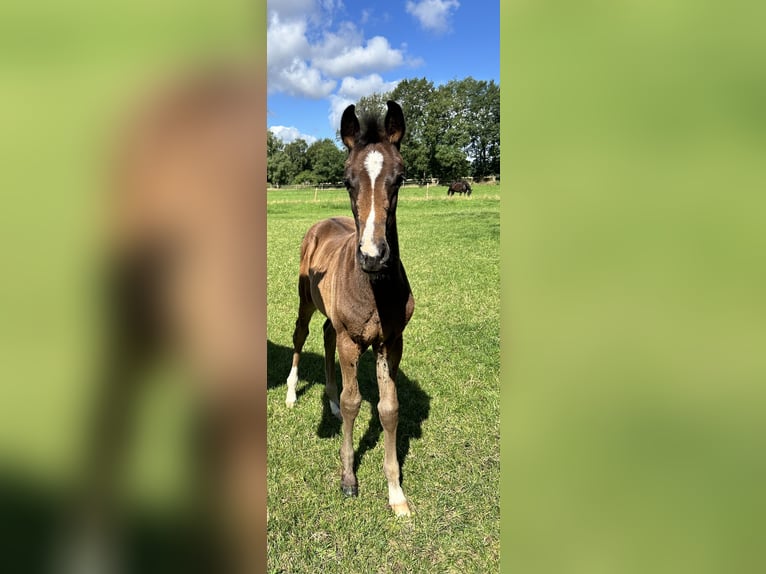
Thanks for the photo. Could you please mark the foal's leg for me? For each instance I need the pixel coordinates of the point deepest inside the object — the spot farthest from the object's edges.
(350, 401)
(331, 387)
(305, 312)
(387, 365)
(130, 342)
(232, 466)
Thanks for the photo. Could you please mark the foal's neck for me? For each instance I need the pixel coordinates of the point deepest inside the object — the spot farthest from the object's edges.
(393, 242)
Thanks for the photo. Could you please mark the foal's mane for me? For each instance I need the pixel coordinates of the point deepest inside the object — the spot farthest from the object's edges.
(371, 130)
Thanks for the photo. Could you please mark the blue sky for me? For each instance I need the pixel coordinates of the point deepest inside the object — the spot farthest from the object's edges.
(326, 54)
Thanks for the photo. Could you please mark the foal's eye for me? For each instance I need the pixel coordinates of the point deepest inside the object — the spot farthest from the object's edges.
(347, 183)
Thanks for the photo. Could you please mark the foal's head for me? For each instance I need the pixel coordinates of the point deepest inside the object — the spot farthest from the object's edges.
(374, 173)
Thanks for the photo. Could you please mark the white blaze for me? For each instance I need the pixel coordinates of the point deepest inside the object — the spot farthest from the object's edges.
(373, 163)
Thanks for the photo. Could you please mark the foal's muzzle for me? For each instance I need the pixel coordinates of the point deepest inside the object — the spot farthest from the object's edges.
(374, 263)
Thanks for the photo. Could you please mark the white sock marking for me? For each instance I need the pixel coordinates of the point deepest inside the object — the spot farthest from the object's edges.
(397, 501)
(292, 381)
(395, 495)
(373, 163)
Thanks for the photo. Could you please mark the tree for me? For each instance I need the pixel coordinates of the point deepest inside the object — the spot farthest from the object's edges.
(451, 163)
(413, 96)
(279, 168)
(326, 161)
(452, 130)
(482, 105)
(437, 140)
(274, 147)
(446, 134)
(306, 177)
(273, 144)
(295, 152)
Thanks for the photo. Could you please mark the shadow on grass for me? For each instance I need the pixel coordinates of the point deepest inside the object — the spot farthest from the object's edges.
(414, 403)
(36, 519)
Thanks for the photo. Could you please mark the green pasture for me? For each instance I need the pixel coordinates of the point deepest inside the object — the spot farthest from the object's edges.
(448, 389)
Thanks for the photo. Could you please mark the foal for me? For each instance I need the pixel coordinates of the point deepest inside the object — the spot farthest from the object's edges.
(350, 270)
(185, 273)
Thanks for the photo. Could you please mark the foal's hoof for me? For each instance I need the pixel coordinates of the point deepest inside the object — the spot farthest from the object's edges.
(352, 490)
(401, 509)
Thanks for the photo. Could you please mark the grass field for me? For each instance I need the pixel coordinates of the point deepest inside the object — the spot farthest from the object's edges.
(448, 389)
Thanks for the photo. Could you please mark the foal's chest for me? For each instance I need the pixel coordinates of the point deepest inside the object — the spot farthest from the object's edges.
(378, 322)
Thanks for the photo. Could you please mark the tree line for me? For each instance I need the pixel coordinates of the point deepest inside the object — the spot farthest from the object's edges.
(299, 163)
(453, 131)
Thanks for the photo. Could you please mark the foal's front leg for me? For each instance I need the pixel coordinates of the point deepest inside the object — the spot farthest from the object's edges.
(387, 365)
(350, 401)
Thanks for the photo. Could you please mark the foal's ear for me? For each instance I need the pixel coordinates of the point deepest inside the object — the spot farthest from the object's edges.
(394, 123)
(349, 126)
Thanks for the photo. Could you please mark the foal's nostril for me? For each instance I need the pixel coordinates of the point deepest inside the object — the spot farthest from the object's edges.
(383, 251)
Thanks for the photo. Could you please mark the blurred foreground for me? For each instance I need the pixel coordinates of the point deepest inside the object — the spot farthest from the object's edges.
(633, 404)
(132, 255)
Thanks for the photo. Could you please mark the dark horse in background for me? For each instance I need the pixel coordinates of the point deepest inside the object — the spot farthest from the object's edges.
(459, 187)
(351, 271)
(185, 271)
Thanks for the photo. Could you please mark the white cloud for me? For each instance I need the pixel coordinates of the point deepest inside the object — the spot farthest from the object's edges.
(359, 87)
(377, 55)
(337, 105)
(308, 54)
(285, 42)
(288, 69)
(299, 79)
(346, 36)
(330, 5)
(314, 54)
(351, 89)
(289, 134)
(433, 15)
(289, 9)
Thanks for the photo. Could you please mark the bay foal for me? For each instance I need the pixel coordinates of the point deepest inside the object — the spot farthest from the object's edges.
(185, 272)
(350, 270)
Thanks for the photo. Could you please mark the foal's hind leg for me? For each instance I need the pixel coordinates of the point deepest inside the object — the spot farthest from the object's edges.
(331, 386)
(387, 365)
(305, 312)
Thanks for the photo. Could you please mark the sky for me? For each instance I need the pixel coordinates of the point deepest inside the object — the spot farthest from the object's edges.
(326, 54)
